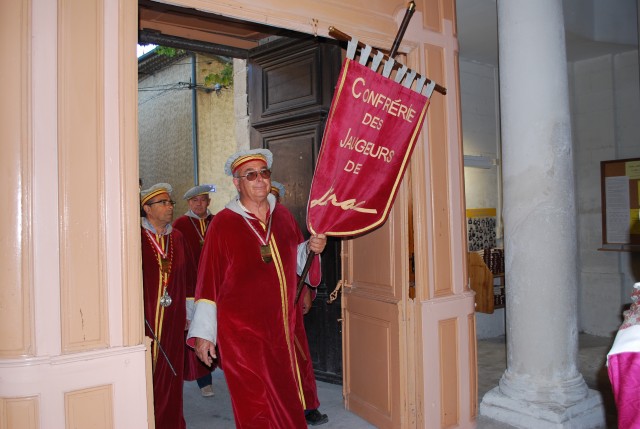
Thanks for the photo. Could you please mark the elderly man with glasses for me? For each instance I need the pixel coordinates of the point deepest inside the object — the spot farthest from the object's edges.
(165, 276)
(245, 296)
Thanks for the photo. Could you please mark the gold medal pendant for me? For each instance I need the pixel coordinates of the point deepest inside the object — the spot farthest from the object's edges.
(165, 300)
(201, 243)
(265, 253)
(165, 266)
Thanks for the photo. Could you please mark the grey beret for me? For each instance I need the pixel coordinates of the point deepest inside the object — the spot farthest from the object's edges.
(199, 190)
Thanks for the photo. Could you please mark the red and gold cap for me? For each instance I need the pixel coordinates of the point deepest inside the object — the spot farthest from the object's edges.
(157, 189)
(242, 157)
(277, 189)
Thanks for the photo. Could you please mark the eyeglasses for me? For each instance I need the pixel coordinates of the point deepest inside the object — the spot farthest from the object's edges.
(163, 202)
(265, 173)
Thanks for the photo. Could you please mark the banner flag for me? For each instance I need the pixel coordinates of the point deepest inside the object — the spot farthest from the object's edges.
(371, 131)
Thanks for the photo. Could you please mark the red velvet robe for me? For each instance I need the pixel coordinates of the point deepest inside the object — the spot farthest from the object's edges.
(168, 327)
(194, 368)
(256, 316)
(308, 378)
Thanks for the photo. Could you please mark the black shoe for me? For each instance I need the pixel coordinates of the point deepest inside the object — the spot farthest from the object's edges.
(315, 418)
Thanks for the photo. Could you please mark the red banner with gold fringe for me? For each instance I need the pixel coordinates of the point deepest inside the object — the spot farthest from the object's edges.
(371, 132)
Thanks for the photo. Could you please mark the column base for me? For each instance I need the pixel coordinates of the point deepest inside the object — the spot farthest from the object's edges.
(586, 414)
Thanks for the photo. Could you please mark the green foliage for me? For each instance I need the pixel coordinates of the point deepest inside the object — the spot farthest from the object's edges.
(223, 79)
(215, 81)
(168, 52)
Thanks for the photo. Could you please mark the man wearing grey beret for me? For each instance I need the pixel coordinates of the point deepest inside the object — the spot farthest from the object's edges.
(193, 226)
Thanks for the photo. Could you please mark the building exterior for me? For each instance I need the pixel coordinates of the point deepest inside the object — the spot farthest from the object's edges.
(177, 132)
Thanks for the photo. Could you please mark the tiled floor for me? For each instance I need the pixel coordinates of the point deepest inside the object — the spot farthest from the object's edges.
(215, 412)
(591, 363)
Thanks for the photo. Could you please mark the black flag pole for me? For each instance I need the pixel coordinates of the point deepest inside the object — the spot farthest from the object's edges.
(411, 7)
(305, 271)
(160, 347)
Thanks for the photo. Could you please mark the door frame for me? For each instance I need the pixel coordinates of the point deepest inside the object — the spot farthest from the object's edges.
(443, 309)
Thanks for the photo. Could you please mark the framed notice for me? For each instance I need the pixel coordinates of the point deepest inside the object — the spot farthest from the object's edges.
(620, 188)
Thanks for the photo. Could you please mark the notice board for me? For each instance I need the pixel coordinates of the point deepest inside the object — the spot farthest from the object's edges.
(481, 229)
(620, 188)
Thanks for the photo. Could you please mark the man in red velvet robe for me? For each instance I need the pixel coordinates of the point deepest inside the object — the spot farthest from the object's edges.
(165, 277)
(245, 296)
(193, 226)
(313, 416)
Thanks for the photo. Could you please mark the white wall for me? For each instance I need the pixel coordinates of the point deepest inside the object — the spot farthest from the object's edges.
(605, 106)
(480, 131)
(160, 96)
(481, 137)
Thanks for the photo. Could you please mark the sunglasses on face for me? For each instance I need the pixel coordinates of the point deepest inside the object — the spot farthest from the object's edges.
(265, 173)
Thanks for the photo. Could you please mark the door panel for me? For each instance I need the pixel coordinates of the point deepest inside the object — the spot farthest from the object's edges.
(374, 339)
(371, 378)
(294, 157)
(377, 278)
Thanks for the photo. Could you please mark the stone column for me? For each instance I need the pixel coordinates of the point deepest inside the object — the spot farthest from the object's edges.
(542, 387)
